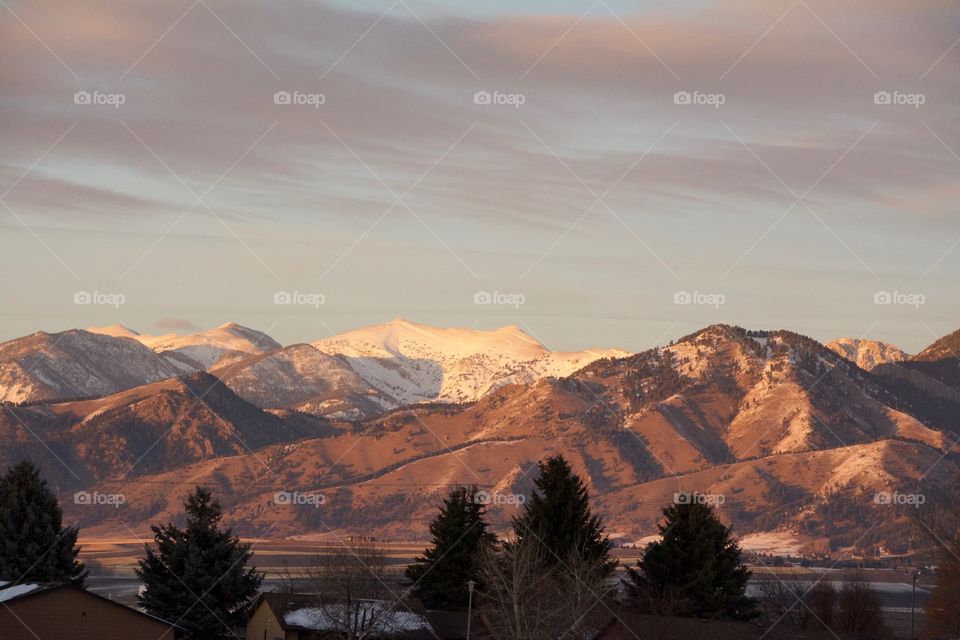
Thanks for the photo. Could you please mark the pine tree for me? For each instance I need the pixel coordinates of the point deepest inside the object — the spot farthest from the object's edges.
(558, 517)
(34, 544)
(695, 569)
(198, 576)
(459, 540)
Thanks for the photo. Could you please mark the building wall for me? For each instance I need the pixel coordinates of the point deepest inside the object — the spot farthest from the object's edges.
(264, 625)
(72, 614)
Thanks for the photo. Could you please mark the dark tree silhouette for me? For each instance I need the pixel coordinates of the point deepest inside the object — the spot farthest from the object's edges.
(197, 577)
(459, 541)
(695, 569)
(558, 517)
(34, 544)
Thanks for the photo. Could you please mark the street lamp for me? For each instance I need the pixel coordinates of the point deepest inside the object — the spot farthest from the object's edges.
(913, 602)
(470, 585)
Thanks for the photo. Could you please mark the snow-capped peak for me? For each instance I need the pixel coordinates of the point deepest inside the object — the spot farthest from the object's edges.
(403, 337)
(116, 331)
(417, 362)
(867, 354)
(199, 350)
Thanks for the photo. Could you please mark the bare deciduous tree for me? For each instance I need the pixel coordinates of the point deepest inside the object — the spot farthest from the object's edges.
(822, 599)
(939, 522)
(582, 589)
(527, 598)
(518, 600)
(347, 580)
(854, 609)
(858, 610)
(785, 602)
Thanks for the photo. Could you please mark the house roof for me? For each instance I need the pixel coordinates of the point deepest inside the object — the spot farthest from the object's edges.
(282, 603)
(650, 627)
(452, 625)
(10, 594)
(449, 625)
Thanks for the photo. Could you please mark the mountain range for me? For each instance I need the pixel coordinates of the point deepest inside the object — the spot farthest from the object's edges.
(784, 434)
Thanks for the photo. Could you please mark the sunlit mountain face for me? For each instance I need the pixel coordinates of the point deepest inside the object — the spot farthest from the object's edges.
(381, 418)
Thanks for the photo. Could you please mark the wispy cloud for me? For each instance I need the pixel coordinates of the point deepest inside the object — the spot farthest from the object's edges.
(198, 83)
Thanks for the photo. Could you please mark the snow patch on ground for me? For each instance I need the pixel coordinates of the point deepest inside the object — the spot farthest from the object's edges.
(328, 618)
(781, 543)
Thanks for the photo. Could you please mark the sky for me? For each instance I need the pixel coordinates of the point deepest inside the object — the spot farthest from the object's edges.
(606, 173)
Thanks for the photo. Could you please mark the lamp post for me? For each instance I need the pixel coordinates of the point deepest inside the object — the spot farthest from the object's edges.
(913, 602)
(470, 585)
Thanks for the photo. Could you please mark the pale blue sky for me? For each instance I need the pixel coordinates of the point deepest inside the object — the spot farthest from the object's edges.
(500, 198)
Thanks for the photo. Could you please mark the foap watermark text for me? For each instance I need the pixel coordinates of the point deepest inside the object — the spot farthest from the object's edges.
(499, 98)
(297, 499)
(699, 98)
(688, 497)
(96, 499)
(499, 499)
(299, 298)
(501, 298)
(914, 300)
(899, 98)
(99, 298)
(715, 300)
(299, 98)
(99, 99)
(899, 499)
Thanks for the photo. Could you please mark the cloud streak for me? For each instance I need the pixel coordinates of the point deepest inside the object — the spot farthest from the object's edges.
(198, 82)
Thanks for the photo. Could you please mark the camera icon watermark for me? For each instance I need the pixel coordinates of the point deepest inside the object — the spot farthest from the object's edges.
(297, 499)
(515, 300)
(299, 98)
(498, 98)
(97, 98)
(715, 300)
(99, 298)
(499, 499)
(914, 300)
(899, 98)
(915, 500)
(693, 497)
(699, 98)
(96, 499)
(299, 298)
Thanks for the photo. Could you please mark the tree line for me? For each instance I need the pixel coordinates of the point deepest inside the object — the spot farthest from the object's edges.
(554, 576)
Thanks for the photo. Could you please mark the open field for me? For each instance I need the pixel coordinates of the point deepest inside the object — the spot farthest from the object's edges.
(112, 562)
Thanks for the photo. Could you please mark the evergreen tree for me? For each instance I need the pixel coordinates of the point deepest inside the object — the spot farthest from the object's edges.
(459, 541)
(198, 576)
(695, 569)
(34, 544)
(558, 517)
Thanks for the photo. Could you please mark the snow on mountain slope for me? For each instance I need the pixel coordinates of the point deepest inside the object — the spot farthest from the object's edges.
(302, 377)
(867, 354)
(414, 362)
(794, 436)
(75, 363)
(199, 350)
(116, 331)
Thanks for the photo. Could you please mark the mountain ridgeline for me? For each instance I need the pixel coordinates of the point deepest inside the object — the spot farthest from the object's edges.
(784, 434)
